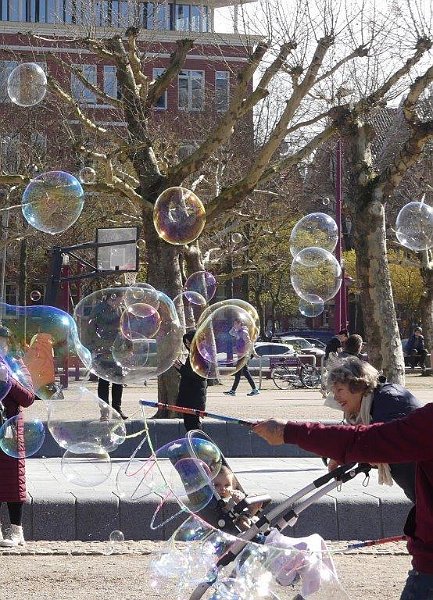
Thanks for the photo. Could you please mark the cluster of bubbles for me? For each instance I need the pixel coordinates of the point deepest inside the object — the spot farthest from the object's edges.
(315, 273)
(179, 216)
(414, 226)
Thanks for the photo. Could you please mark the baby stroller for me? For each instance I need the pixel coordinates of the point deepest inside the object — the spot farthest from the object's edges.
(233, 553)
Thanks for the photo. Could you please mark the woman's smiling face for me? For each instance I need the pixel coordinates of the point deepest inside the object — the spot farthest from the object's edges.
(350, 402)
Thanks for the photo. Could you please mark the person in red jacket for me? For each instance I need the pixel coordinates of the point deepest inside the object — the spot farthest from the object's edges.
(12, 470)
(398, 441)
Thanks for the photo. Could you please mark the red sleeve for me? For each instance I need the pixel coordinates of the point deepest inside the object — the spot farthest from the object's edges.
(20, 395)
(402, 440)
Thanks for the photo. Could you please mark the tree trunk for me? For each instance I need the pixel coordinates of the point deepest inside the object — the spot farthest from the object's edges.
(383, 338)
(426, 307)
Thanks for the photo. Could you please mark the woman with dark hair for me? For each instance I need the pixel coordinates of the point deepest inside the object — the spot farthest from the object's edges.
(192, 387)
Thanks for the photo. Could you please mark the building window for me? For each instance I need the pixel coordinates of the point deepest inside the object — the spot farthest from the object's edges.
(191, 90)
(182, 17)
(157, 16)
(6, 68)
(79, 90)
(10, 153)
(161, 103)
(222, 90)
(110, 81)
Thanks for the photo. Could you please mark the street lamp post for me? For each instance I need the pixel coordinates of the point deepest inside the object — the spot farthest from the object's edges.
(340, 317)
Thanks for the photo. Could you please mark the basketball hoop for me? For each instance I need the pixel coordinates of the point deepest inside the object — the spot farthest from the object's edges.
(129, 278)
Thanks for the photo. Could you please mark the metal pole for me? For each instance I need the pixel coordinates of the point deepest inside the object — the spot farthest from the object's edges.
(340, 318)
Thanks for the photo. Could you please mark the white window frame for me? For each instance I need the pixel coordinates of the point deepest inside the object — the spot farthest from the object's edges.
(222, 104)
(157, 72)
(110, 81)
(188, 75)
(78, 90)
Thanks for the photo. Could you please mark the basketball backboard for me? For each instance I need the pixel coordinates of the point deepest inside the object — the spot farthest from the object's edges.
(116, 249)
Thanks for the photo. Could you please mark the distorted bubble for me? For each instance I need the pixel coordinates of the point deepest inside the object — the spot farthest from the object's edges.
(203, 283)
(140, 321)
(236, 238)
(35, 295)
(27, 84)
(52, 201)
(21, 437)
(82, 417)
(188, 307)
(316, 229)
(100, 328)
(414, 226)
(313, 307)
(87, 175)
(179, 216)
(243, 304)
(41, 337)
(316, 272)
(224, 340)
(86, 465)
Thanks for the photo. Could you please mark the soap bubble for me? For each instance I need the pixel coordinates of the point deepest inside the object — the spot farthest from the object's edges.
(139, 321)
(313, 307)
(86, 465)
(224, 340)
(117, 536)
(35, 295)
(27, 84)
(5, 377)
(141, 293)
(179, 216)
(315, 271)
(414, 226)
(82, 417)
(53, 201)
(249, 308)
(42, 336)
(87, 175)
(21, 437)
(189, 306)
(236, 238)
(314, 230)
(99, 318)
(203, 283)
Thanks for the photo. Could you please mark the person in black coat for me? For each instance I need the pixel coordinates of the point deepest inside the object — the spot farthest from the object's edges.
(415, 349)
(192, 387)
(336, 343)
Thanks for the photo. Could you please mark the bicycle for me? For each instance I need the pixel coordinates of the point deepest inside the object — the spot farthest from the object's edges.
(293, 372)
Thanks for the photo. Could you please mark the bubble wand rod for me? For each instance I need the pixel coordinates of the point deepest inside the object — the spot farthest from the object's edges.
(196, 412)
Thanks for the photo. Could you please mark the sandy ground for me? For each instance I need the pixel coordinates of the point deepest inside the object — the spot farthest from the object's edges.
(76, 571)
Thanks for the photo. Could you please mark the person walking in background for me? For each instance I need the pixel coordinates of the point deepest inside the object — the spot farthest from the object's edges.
(12, 470)
(192, 387)
(416, 350)
(240, 335)
(335, 344)
(352, 346)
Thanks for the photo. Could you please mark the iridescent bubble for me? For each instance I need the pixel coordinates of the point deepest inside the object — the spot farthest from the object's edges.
(86, 465)
(43, 337)
(27, 84)
(314, 230)
(99, 318)
(5, 377)
(313, 307)
(82, 418)
(87, 175)
(203, 283)
(315, 271)
(249, 308)
(53, 201)
(35, 295)
(21, 437)
(139, 321)
(179, 216)
(223, 341)
(189, 306)
(414, 226)
(142, 293)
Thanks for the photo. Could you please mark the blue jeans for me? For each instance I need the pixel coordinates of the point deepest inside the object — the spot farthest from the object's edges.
(419, 586)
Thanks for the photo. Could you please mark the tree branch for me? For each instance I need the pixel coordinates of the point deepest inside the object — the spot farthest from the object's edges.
(177, 61)
(415, 91)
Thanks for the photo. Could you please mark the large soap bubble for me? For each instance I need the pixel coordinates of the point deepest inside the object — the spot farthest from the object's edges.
(53, 201)
(203, 283)
(5, 377)
(315, 271)
(243, 304)
(316, 229)
(21, 437)
(86, 465)
(82, 417)
(27, 84)
(313, 307)
(129, 346)
(42, 338)
(179, 216)
(414, 226)
(224, 342)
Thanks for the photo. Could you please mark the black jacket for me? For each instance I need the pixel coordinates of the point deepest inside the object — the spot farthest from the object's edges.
(192, 388)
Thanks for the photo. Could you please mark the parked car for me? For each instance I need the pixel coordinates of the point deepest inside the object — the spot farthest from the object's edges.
(316, 342)
(302, 346)
(267, 349)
